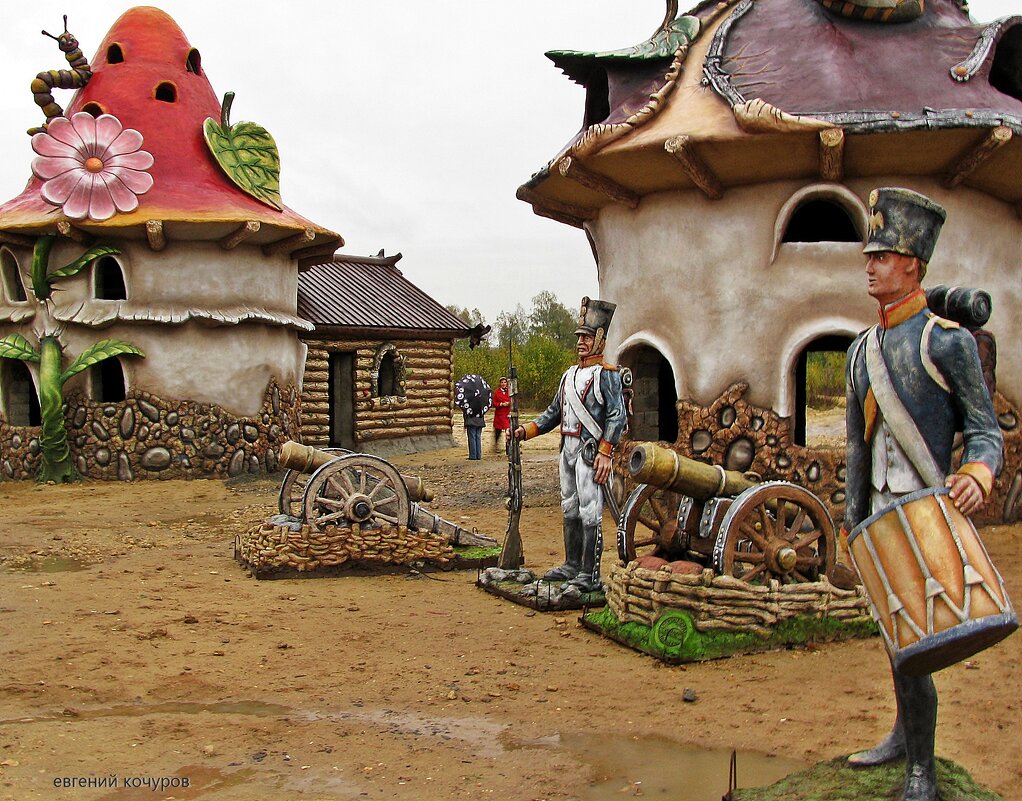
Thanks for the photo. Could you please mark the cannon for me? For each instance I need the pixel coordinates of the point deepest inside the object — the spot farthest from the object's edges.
(730, 521)
(340, 487)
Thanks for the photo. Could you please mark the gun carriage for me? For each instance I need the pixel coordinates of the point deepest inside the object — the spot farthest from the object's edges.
(733, 522)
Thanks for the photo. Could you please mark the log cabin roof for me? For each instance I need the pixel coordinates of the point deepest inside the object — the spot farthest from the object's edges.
(371, 292)
(757, 87)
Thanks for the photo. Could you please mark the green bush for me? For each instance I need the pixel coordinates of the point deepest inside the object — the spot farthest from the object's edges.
(825, 379)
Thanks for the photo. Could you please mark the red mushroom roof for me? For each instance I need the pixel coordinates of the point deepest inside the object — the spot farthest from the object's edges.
(147, 75)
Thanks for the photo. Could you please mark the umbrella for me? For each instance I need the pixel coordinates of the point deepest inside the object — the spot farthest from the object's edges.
(472, 394)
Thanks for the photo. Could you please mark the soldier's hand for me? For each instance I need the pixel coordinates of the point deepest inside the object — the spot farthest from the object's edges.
(601, 468)
(965, 492)
(519, 432)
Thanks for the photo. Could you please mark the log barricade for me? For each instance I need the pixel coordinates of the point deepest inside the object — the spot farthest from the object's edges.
(267, 548)
(721, 603)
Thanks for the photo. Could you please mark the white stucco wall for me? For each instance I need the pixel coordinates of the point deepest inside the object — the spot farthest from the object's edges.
(695, 277)
(196, 359)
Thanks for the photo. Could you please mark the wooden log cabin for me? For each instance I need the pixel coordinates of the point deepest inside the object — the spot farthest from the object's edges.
(378, 373)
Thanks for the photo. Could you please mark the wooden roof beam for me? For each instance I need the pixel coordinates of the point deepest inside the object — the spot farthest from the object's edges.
(154, 233)
(65, 229)
(967, 163)
(695, 168)
(832, 154)
(290, 243)
(573, 169)
(240, 234)
(567, 213)
(17, 240)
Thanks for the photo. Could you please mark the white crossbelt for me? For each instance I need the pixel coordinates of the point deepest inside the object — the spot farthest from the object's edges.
(571, 397)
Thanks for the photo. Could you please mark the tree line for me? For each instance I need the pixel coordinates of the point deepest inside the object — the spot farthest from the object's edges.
(542, 346)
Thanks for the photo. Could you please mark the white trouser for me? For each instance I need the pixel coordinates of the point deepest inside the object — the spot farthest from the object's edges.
(581, 496)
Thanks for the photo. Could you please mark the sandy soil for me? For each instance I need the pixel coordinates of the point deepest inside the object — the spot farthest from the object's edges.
(161, 658)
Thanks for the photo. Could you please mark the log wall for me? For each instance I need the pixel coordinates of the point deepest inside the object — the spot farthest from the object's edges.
(425, 408)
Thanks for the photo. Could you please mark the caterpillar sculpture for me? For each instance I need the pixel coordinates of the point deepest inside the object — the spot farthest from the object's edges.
(75, 78)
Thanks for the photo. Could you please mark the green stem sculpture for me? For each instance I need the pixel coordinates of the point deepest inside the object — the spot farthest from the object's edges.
(56, 454)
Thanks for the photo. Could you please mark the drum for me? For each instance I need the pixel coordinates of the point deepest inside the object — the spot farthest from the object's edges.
(934, 591)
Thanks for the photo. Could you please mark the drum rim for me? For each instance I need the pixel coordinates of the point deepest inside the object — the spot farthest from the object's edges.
(904, 499)
(965, 634)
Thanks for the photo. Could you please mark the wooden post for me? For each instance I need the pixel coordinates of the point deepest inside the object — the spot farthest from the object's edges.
(154, 233)
(65, 229)
(973, 158)
(832, 154)
(289, 243)
(240, 234)
(573, 169)
(695, 168)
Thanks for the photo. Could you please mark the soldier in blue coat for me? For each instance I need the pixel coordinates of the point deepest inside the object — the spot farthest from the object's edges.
(589, 408)
(932, 366)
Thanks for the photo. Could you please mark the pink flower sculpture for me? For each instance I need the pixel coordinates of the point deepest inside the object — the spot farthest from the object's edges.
(91, 166)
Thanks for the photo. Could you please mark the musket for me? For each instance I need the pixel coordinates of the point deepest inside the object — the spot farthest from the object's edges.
(511, 553)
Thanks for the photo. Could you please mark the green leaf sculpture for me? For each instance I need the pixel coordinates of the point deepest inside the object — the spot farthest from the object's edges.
(246, 153)
(83, 261)
(104, 349)
(15, 346)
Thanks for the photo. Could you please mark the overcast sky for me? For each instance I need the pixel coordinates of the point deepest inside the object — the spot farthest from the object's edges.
(404, 125)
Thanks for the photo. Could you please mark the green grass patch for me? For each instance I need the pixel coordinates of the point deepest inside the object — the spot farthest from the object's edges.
(477, 551)
(836, 781)
(674, 636)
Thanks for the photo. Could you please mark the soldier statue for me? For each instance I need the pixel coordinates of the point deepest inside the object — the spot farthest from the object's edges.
(912, 381)
(589, 407)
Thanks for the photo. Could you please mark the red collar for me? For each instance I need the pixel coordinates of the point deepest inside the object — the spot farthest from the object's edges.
(894, 314)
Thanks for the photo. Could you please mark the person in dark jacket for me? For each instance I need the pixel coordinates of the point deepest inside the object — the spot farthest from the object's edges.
(933, 368)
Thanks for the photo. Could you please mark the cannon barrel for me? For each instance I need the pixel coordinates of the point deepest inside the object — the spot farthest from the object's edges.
(306, 459)
(654, 464)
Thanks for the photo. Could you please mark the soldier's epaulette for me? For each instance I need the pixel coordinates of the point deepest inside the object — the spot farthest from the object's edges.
(612, 367)
(947, 325)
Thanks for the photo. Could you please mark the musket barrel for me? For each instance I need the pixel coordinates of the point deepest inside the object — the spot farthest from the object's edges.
(306, 459)
(653, 464)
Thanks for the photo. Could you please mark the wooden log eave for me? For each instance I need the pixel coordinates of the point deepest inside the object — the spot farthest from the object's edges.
(684, 152)
(75, 234)
(573, 169)
(154, 235)
(290, 244)
(240, 234)
(832, 154)
(969, 161)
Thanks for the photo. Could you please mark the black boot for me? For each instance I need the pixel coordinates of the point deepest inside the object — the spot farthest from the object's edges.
(892, 747)
(572, 552)
(588, 578)
(917, 700)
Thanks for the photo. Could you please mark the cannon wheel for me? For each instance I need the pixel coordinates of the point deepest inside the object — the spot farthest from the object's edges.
(776, 530)
(648, 522)
(357, 488)
(292, 488)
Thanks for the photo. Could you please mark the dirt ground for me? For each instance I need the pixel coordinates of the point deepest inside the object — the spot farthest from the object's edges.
(134, 646)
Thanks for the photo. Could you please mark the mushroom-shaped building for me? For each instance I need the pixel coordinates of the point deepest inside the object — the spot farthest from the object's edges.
(197, 269)
(726, 162)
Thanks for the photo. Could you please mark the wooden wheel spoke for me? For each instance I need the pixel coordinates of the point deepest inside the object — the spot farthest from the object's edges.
(376, 489)
(658, 509)
(809, 561)
(758, 570)
(386, 502)
(389, 518)
(796, 525)
(329, 518)
(330, 503)
(779, 527)
(749, 557)
(644, 543)
(747, 529)
(799, 576)
(653, 525)
(808, 539)
(334, 483)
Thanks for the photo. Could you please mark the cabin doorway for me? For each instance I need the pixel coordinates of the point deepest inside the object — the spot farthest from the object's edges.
(654, 395)
(820, 393)
(342, 399)
(18, 399)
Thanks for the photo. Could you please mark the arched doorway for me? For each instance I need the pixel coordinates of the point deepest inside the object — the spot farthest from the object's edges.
(655, 397)
(18, 399)
(820, 391)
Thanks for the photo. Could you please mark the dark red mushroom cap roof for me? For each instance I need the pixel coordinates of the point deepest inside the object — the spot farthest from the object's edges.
(152, 59)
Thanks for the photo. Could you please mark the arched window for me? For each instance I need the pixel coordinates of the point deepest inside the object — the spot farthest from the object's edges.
(93, 108)
(10, 275)
(166, 92)
(108, 279)
(388, 375)
(114, 54)
(820, 391)
(654, 396)
(820, 219)
(1006, 70)
(193, 63)
(18, 399)
(597, 97)
(107, 379)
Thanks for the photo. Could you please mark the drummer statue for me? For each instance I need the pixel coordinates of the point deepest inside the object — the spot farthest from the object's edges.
(912, 381)
(589, 407)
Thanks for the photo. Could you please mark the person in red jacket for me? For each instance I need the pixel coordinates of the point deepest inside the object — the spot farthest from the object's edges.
(501, 413)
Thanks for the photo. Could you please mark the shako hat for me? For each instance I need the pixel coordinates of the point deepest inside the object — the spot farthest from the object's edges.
(594, 316)
(903, 221)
